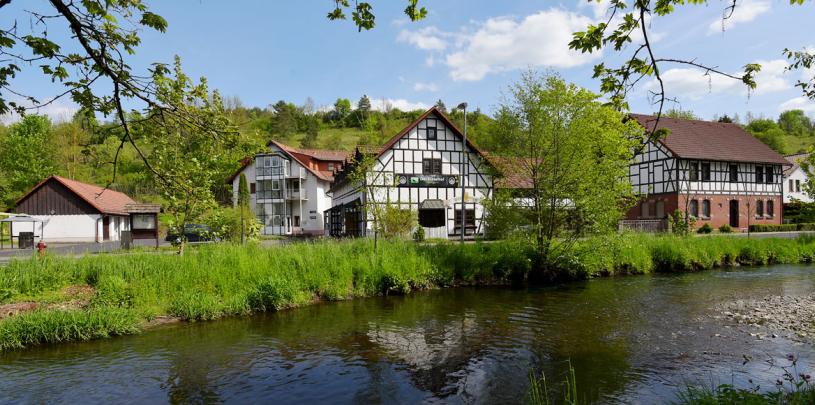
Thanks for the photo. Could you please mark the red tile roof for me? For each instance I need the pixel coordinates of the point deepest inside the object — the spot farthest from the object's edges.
(304, 157)
(105, 201)
(705, 140)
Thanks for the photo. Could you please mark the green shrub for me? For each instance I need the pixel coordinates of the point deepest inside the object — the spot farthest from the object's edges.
(705, 228)
(418, 234)
(806, 227)
(773, 228)
(725, 228)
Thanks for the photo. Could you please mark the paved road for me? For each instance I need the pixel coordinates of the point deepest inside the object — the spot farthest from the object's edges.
(71, 249)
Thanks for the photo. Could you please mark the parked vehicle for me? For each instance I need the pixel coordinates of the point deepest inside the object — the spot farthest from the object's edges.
(193, 233)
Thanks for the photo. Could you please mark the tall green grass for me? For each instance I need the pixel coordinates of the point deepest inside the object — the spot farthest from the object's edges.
(224, 280)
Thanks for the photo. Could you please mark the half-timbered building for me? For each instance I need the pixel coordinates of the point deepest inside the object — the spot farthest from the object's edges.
(288, 187)
(715, 172)
(422, 168)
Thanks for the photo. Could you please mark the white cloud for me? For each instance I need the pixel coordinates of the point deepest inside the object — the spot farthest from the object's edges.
(427, 39)
(599, 8)
(503, 43)
(58, 111)
(694, 84)
(745, 11)
(400, 103)
(421, 86)
(798, 103)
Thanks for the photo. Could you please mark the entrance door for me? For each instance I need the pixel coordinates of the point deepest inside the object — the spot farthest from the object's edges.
(734, 213)
(106, 228)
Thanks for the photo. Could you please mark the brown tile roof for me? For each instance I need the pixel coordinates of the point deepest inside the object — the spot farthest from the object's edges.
(692, 139)
(105, 201)
(302, 156)
(512, 172)
(794, 159)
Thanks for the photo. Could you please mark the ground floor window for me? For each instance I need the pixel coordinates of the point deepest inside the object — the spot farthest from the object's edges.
(469, 220)
(706, 208)
(660, 209)
(694, 208)
(759, 208)
(644, 211)
(431, 218)
(770, 208)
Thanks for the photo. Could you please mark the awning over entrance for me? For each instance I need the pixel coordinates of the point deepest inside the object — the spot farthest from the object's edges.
(432, 205)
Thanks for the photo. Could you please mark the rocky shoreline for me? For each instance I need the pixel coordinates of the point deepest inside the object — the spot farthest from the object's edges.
(791, 317)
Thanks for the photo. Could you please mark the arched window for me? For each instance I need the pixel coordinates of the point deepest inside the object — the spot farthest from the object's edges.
(706, 208)
(759, 208)
(660, 209)
(644, 211)
(694, 208)
(770, 208)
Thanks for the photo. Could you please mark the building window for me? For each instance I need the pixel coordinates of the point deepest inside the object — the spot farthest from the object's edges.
(431, 133)
(798, 185)
(644, 211)
(660, 209)
(143, 221)
(759, 174)
(734, 173)
(431, 166)
(252, 188)
(331, 167)
(694, 208)
(768, 174)
(759, 208)
(694, 171)
(770, 208)
(706, 208)
(432, 218)
(469, 220)
(705, 171)
(791, 188)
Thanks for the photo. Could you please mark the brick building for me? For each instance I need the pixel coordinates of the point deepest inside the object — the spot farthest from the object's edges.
(715, 172)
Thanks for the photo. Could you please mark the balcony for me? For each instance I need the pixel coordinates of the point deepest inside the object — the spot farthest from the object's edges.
(295, 173)
(296, 195)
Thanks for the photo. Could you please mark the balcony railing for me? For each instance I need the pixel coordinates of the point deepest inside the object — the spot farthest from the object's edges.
(299, 194)
(296, 173)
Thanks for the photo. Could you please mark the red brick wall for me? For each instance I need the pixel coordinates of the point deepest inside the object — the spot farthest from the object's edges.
(719, 208)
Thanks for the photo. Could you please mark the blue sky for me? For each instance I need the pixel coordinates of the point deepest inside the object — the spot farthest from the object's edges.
(466, 50)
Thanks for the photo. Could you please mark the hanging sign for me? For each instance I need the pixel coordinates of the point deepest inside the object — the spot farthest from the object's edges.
(426, 180)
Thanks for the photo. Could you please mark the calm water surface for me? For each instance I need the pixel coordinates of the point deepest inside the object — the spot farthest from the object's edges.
(630, 339)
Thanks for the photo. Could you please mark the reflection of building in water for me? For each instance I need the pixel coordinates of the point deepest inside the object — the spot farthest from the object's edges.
(427, 345)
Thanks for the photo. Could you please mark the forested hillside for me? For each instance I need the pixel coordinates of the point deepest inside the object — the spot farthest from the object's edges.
(84, 149)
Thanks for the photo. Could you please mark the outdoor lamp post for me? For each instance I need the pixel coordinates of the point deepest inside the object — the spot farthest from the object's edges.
(463, 106)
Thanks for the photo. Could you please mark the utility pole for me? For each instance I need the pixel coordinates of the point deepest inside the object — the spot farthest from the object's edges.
(463, 106)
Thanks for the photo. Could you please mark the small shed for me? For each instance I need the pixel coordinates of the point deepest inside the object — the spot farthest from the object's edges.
(143, 221)
(73, 211)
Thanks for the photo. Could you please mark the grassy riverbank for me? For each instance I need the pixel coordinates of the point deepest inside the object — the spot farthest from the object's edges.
(97, 296)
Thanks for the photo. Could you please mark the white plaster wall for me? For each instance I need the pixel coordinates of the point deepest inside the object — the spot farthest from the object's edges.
(789, 194)
(65, 228)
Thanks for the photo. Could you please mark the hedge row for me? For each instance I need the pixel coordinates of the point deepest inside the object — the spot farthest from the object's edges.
(782, 228)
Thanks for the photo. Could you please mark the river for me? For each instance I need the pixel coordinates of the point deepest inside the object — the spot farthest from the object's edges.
(630, 339)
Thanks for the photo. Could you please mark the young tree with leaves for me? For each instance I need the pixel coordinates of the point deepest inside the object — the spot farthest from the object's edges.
(188, 154)
(576, 153)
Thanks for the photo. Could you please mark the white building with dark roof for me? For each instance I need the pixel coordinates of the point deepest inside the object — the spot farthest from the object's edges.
(794, 179)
